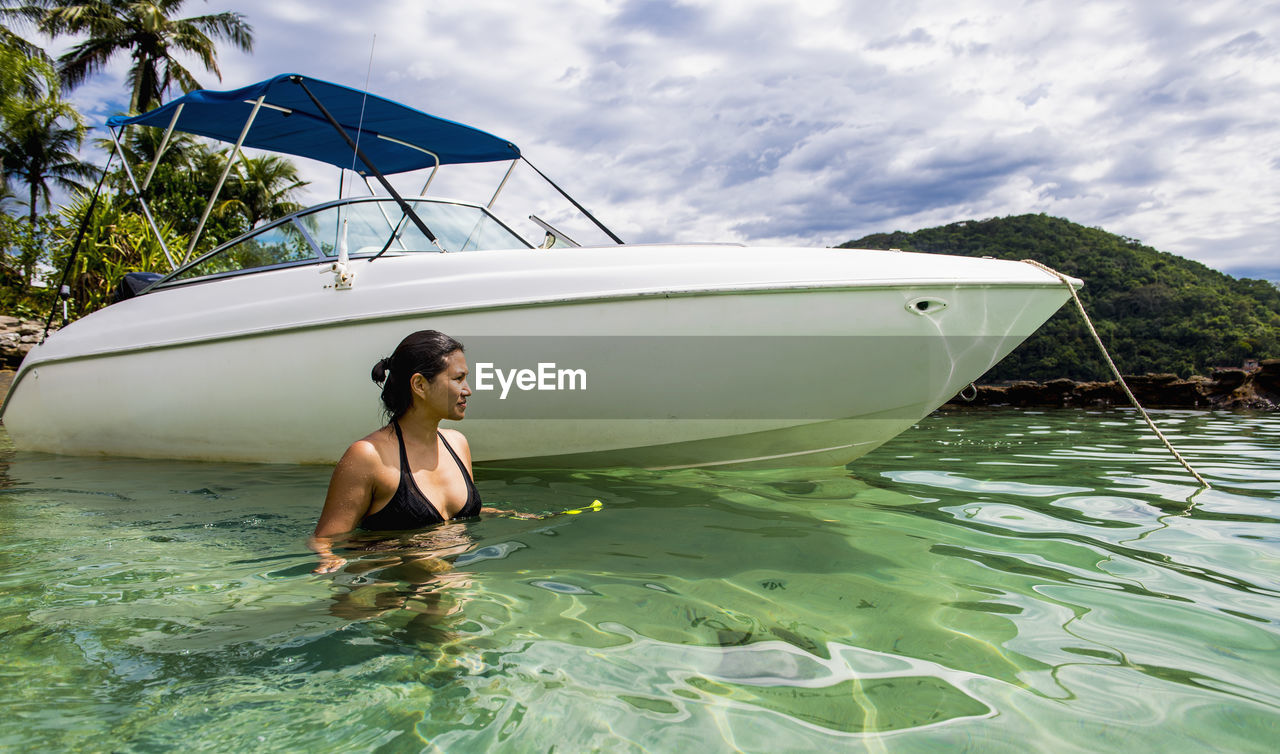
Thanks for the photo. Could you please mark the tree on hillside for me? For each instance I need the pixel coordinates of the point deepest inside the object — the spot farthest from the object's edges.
(149, 32)
(1156, 312)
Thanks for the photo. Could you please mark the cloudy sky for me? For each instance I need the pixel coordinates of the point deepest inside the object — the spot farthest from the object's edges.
(820, 121)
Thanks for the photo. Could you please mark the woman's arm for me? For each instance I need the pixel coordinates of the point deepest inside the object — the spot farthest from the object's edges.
(348, 500)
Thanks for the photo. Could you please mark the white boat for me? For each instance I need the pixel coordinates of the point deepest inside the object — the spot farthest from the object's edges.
(638, 355)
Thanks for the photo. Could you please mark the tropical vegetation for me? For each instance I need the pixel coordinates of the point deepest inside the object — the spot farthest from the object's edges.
(40, 147)
(1156, 312)
(46, 158)
(148, 31)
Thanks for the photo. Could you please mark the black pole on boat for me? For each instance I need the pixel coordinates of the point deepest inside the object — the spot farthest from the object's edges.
(64, 292)
(404, 206)
(572, 201)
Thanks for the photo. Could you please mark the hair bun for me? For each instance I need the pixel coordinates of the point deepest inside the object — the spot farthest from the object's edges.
(379, 373)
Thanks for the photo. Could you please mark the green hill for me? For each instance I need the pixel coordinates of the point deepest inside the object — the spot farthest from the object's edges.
(1156, 312)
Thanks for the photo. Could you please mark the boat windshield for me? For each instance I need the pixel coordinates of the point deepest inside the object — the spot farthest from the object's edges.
(372, 224)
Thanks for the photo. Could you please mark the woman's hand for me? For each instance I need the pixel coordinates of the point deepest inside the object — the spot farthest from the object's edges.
(513, 514)
(329, 563)
(323, 547)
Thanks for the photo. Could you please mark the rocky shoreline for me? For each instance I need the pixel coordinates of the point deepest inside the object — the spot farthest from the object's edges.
(1225, 388)
(17, 336)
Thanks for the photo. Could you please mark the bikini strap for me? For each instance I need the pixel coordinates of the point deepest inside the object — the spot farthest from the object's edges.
(404, 456)
(456, 459)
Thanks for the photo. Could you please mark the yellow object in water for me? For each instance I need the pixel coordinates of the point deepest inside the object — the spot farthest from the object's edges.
(595, 506)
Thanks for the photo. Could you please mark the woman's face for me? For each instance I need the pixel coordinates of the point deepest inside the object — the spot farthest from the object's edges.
(446, 393)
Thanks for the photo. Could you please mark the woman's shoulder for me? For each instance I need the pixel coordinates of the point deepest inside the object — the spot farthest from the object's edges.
(373, 448)
(458, 442)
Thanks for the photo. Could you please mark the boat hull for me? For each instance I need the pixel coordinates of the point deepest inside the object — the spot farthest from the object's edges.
(668, 368)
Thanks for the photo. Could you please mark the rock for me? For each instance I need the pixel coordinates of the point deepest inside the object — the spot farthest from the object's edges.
(1101, 394)
(1229, 378)
(1267, 378)
(17, 337)
(1166, 391)
(1227, 388)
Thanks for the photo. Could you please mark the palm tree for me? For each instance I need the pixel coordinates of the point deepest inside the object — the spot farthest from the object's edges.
(39, 145)
(263, 188)
(25, 69)
(22, 80)
(23, 14)
(150, 33)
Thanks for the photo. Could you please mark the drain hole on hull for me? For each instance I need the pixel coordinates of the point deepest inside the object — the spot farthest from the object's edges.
(926, 305)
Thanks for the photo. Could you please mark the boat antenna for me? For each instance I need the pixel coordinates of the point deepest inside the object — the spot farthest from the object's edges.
(368, 71)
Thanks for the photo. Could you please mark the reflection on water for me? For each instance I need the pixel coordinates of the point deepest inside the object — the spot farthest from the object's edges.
(996, 580)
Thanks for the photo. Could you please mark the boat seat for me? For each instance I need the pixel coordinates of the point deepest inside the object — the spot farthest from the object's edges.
(132, 284)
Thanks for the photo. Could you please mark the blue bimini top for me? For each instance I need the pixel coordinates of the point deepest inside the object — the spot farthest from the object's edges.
(395, 137)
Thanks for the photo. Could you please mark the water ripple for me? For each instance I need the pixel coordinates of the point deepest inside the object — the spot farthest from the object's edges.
(991, 580)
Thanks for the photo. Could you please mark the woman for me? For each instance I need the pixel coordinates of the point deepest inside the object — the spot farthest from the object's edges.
(410, 473)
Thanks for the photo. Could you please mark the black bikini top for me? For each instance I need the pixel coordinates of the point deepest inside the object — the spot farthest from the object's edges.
(408, 507)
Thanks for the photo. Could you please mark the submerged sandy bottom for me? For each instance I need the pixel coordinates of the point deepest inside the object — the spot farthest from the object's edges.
(1000, 580)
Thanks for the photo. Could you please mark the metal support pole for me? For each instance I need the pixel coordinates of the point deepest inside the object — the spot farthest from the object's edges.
(146, 211)
(502, 185)
(430, 177)
(231, 159)
(164, 143)
(417, 148)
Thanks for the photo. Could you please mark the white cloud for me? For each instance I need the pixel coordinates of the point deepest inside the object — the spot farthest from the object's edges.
(817, 122)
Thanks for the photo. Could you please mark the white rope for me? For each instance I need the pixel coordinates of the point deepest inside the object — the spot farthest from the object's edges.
(1116, 371)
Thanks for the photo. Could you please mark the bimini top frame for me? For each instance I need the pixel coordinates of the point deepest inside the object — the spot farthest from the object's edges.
(296, 115)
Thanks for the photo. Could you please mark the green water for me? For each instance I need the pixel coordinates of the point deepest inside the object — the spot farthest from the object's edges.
(989, 581)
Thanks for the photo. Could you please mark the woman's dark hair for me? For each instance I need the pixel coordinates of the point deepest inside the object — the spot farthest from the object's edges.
(421, 353)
